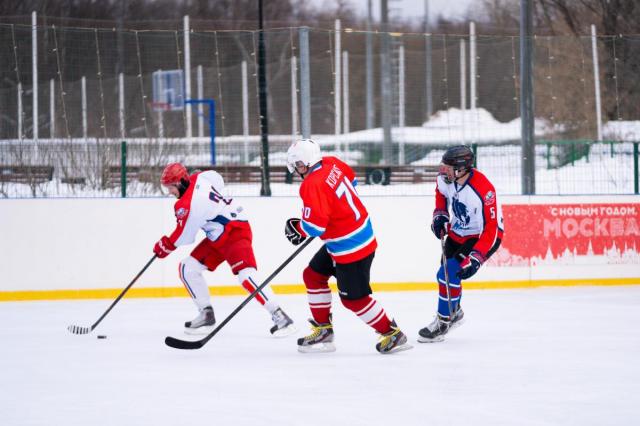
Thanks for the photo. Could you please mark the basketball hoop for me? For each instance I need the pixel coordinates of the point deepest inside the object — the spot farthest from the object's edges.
(168, 90)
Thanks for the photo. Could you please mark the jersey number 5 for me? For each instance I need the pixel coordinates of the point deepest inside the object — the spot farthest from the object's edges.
(346, 188)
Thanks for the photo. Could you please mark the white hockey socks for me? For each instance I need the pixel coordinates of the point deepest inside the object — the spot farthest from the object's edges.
(191, 276)
(248, 279)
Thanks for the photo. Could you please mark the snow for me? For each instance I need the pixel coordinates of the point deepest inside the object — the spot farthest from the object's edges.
(452, 126)
(628, 131)
(599, 173)
(499, 154)
(547, 356)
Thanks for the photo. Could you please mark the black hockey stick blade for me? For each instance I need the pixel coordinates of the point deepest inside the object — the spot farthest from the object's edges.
(183, 344)
(197, 344)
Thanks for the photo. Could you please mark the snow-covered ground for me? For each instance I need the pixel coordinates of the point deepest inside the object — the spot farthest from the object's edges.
(607, 170)
(547, 356)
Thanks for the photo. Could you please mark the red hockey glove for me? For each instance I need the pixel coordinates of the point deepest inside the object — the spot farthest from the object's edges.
(163, 247)
(470, 265)
(293, 231)
(440, 225)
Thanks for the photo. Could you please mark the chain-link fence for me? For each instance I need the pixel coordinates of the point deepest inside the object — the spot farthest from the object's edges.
(96, 87)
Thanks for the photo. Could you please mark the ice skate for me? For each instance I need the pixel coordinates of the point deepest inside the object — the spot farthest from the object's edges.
(320, 339)
(435, 331)
(393, 341)
(202, 324)
(458, 319)
(283, 325)
(440, 326)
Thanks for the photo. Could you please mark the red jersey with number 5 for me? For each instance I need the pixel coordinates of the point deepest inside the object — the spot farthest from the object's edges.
(334, 212)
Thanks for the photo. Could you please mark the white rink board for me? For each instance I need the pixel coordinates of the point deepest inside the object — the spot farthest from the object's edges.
(54, 244)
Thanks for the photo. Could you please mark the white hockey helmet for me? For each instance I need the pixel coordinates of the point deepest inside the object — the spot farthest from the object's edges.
(305, 151)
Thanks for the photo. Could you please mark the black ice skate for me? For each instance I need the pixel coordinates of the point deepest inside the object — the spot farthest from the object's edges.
(202, 324)
(440, 326)
(320, 339)
(283, 325)
(392, 341)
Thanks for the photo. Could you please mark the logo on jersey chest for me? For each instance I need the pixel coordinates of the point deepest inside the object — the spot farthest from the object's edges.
(461, 212)
(181, 213)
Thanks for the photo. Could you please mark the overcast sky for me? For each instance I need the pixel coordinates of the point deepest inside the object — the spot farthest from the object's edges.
(414, 9)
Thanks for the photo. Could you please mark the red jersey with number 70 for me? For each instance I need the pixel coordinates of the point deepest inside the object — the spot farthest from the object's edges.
(334, 212)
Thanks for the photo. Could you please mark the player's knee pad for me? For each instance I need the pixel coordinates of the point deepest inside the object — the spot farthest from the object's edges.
(191, 276)
(313, 279)
(189, 266)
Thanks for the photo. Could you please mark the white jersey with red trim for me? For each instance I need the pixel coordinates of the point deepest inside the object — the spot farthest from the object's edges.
(474, 209)
(203, 206)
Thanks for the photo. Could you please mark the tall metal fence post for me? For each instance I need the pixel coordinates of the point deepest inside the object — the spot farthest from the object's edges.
(123, 169)
(34, 79)
(34, 72)
(635, 168)
(596, 81)
(187, 75)
(427, 68)
(337, 84)
(305, 84)
(369, 71)
(385, 83)
(473, 93)
(526, 98)
(265, 187)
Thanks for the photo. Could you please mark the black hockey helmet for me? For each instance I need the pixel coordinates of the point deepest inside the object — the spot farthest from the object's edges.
(460, 158)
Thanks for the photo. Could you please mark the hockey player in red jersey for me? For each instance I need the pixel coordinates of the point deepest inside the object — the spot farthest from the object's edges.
(228, 237)
(333, 212)
(473, 233)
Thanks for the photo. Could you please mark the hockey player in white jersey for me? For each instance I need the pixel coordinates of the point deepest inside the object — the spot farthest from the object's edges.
(473, 232)
(228, 237)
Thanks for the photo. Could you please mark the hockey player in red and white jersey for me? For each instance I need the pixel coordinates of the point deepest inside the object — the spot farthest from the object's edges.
(333, 212)
(468, 215)
(202, 206)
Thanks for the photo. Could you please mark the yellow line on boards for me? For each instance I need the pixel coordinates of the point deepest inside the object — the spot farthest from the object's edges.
(145, 292)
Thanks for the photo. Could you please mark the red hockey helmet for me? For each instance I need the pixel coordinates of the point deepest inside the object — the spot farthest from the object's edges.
(173, 174)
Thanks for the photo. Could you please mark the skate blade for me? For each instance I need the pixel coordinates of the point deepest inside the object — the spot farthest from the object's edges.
(434, 340)
(284, 332)
(317, 348)
(199, 331)
(399, 348)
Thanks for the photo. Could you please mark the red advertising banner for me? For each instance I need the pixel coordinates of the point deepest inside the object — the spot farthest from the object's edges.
(558, 233)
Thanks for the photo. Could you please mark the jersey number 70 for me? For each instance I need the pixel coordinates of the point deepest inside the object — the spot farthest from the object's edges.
(346, 188)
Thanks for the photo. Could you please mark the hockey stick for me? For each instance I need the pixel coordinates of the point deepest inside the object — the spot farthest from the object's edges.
(76, 329)
(197, 344)
(445, 266)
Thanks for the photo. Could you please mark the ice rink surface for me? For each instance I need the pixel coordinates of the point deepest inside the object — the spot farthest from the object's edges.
(550, 356)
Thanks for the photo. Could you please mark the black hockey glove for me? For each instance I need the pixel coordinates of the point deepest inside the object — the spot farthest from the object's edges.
(440, 225)
(293, 231)
(470, 265)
